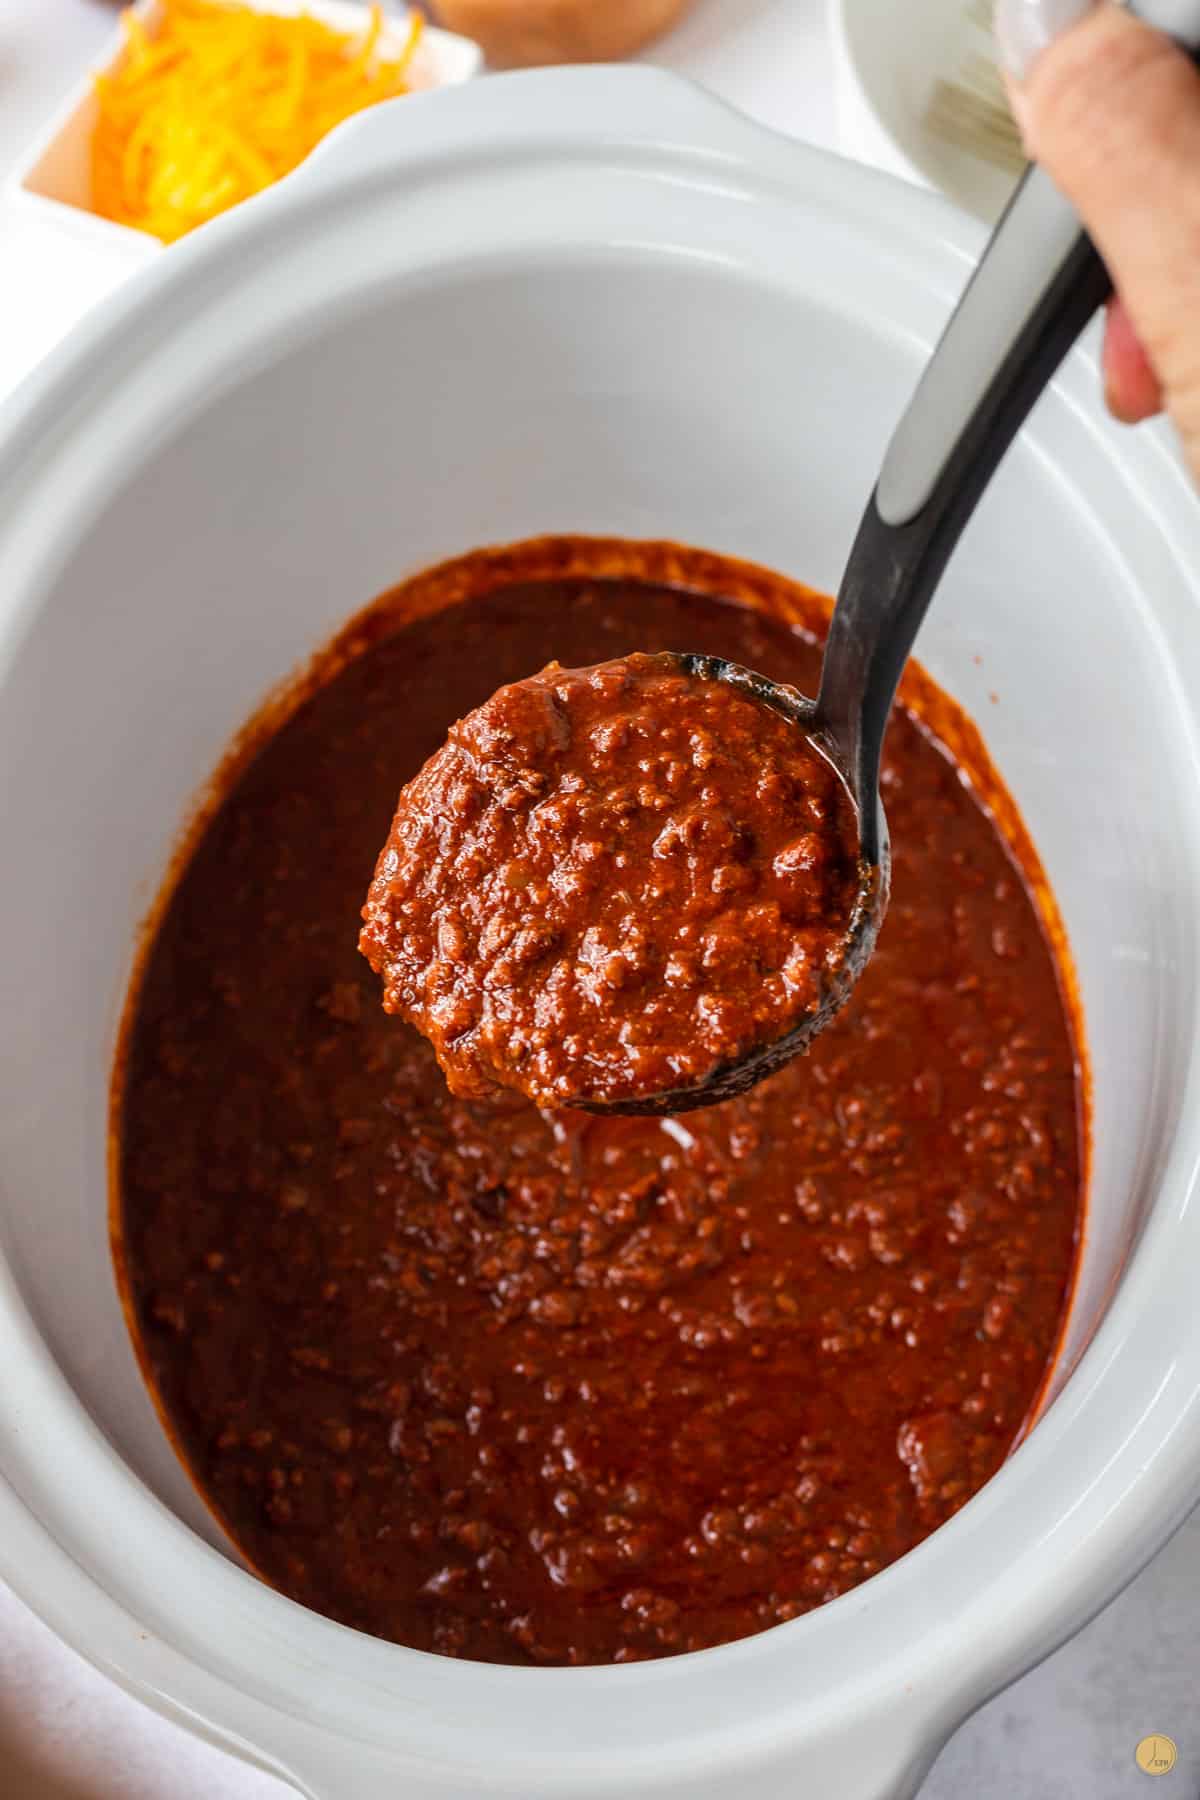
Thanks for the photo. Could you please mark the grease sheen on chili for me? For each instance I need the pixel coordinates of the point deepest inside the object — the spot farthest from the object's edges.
(611, 882)
(548, 1388)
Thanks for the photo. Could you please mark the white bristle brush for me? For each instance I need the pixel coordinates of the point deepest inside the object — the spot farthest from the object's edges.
(969, 110)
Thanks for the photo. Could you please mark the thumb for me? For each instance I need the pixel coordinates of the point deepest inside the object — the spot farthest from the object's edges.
(1111, 110)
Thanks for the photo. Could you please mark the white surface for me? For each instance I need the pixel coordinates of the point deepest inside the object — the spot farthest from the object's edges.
(1055, 1746)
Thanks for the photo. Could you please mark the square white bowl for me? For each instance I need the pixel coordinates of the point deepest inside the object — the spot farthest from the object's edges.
(53, 178)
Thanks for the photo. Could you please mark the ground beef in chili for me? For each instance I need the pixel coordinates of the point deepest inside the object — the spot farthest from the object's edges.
(612, 882)
(555, 1388)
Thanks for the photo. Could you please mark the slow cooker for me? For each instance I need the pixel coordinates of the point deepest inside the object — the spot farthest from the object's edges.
(597, 301)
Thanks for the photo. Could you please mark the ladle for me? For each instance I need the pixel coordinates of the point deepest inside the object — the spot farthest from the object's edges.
(1036, 286)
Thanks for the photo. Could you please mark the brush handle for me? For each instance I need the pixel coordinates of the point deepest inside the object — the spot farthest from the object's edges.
(1180, 19)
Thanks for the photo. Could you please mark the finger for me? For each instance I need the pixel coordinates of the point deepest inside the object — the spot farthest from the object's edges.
(1111, 109)
(1131, 387)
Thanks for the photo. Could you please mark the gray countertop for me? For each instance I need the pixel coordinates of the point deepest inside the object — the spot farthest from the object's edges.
(1069, 1729)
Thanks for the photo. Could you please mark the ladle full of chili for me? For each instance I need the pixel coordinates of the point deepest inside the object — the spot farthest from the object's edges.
(638, 888)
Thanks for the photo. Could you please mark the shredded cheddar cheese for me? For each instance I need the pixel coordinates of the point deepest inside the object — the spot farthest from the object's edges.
(221, 100)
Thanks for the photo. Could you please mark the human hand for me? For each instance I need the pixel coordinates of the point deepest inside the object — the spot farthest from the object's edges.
(1111, 110)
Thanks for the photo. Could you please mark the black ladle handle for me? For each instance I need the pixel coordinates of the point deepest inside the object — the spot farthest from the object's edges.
(1037, 285)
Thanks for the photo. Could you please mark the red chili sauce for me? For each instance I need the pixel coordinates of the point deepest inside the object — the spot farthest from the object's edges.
(609, 883)
(555, 1388)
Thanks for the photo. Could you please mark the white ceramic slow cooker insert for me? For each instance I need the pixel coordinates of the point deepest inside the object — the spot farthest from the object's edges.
(573, 301)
